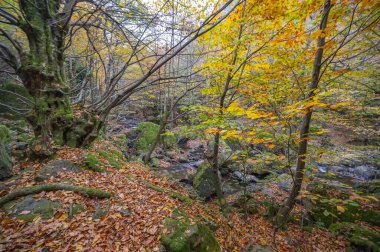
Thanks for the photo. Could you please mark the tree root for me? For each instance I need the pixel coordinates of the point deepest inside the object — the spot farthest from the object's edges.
(85, 191)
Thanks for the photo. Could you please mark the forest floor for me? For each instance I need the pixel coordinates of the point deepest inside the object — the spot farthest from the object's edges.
(133, 220)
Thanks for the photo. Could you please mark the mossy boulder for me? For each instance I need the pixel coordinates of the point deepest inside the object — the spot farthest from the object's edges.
(327, 204)
(371, 187)
(147, 132)
(183, 236)
(6, 164)
(5, 134)
(52, 169)
(169, 140)
(359, 237)
(204, 181)
(327, 211)
(28, 208)
(92, 163)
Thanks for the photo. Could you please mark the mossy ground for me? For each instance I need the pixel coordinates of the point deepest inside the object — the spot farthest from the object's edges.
(359, 237)
(112, 158)
(93, 163)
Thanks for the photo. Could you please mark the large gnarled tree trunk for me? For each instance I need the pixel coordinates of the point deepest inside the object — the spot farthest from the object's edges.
(42, 70)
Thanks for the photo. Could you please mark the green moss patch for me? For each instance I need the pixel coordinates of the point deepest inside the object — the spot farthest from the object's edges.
(5, 134)
(112, 159)
(147, 134)
(360, 238)
(327, 211)
(183, 236)
(92, 163)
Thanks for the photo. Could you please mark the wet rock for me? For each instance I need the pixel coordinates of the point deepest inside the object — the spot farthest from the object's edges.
(21, 146)
(369, 187)
(285, 182)
(196, 154)
(245, 178)
(182, 143)
(366, 172)
(54, 167)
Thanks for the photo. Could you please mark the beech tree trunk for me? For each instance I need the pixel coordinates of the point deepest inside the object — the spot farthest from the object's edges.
(42, 70)
(284, 211)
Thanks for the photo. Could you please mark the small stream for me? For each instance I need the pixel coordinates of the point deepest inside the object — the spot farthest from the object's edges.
(343, 175)
(182, 171)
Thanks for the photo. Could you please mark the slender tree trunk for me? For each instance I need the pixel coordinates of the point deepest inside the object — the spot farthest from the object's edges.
(284, 211)
(217, 176)
(161, 130)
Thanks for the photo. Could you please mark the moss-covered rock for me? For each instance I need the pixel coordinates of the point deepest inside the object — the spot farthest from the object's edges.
(6, 164)
(182, 236)
(148, 132)
(114, 160)
(327, 211)
(54, 167)
(28, 208)
(371, 187)
(92, 163)
(169, 140)
(24, 191)
(181, 197)
(204, 181)
(359, 238)
(5, 134)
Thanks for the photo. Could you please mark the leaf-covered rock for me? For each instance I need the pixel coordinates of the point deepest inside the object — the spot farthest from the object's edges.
(28, 208)
(54, 167)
